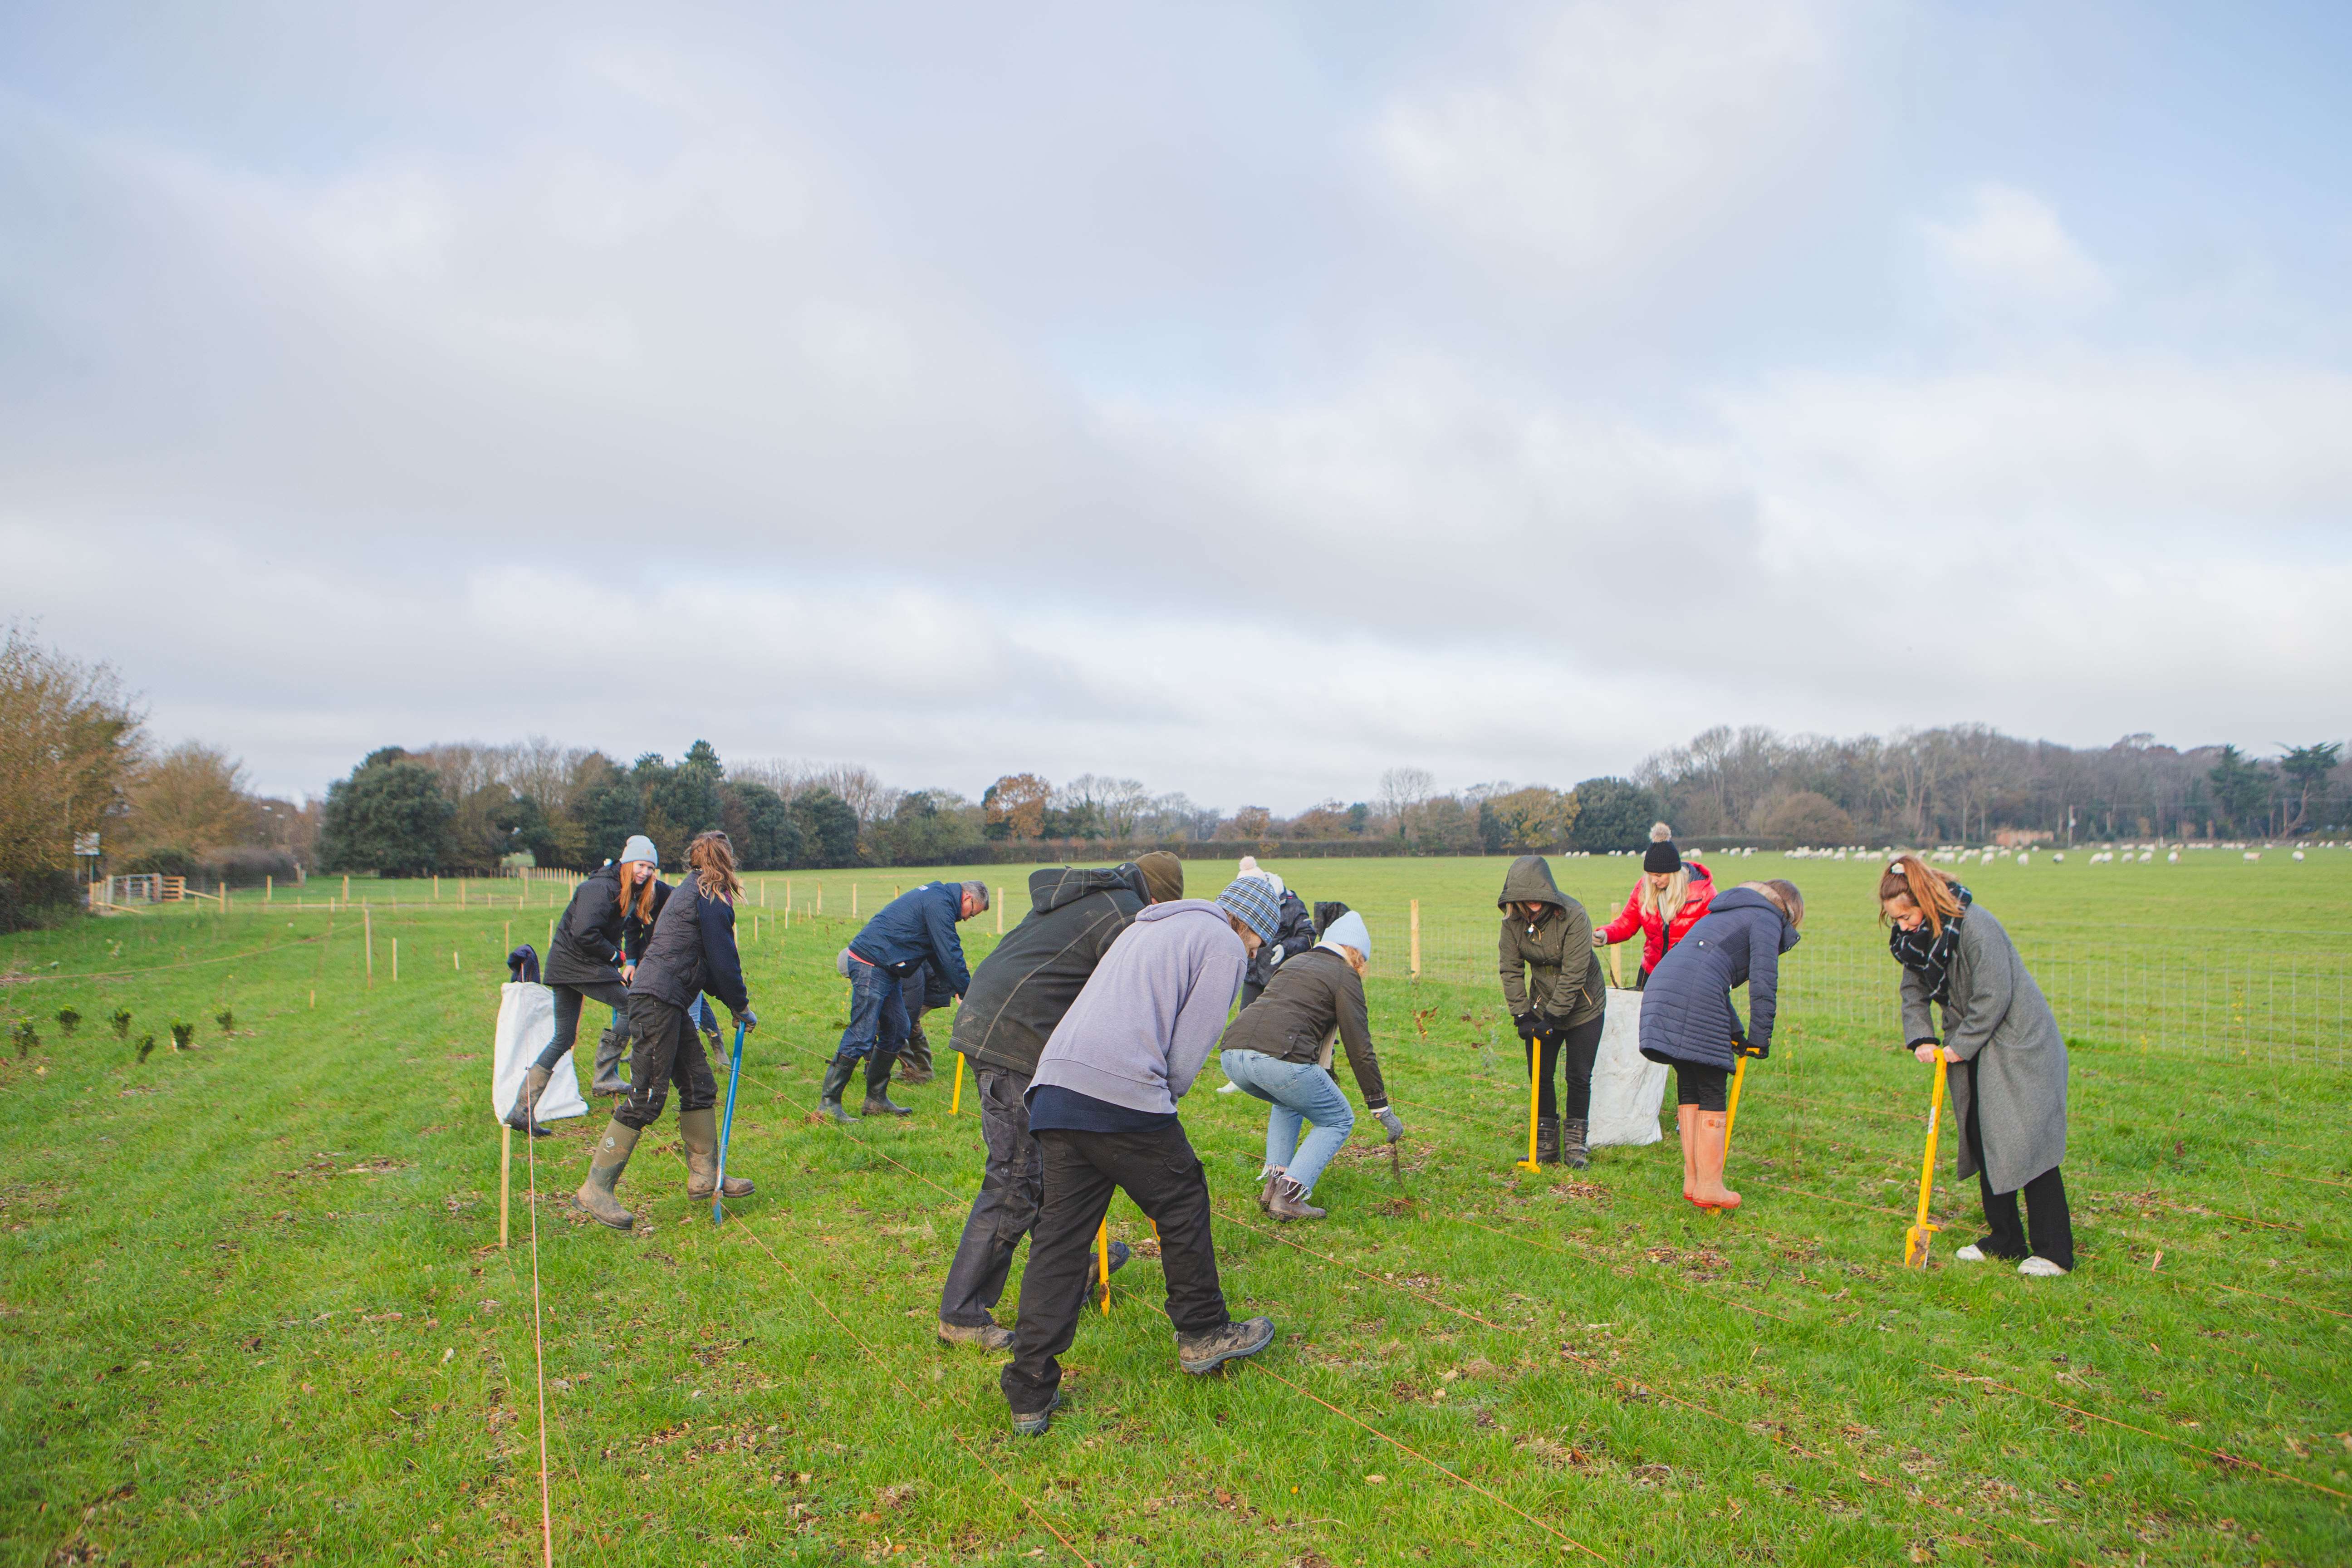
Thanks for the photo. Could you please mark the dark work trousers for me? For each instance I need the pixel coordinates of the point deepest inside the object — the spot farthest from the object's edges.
(2046, 1213)
(567, 999)
(1705, 1087)
(878, 1012)
(1251, 992)
(1642, 981)
(916, 1052)
(1576, 1048)
(668, 1050)
(1011, 1186)
(1161, 1173)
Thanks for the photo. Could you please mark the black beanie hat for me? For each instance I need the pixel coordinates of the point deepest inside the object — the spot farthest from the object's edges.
(1662, 856)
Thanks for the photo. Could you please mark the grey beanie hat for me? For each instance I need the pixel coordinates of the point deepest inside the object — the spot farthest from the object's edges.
(640, 847)
(1255, 904)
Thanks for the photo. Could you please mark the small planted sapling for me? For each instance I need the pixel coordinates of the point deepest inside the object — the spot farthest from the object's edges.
(68, 1020)
(183, 1034)
(146, 1044)
(122, 1021)
(226, 1020)
(26, 1037)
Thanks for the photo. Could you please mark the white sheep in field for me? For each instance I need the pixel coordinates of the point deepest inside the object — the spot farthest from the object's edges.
(2173, 859)
(2147, 854)
(2298, 854)
(2021, 857)
(2254, 854)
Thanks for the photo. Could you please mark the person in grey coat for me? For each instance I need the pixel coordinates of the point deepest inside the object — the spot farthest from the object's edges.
(1688, 1021)
(2007, 1072)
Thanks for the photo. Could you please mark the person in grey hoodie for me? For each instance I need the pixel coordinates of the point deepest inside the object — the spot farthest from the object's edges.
(1102, 1105)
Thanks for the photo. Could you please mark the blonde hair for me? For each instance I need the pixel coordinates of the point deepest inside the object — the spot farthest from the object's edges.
(712, 856)
(1908, 877)
(1666, 902)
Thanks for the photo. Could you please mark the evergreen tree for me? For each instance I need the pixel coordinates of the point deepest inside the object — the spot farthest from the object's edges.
(388, 817)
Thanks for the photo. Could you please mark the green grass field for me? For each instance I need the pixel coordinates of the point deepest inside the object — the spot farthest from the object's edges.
(253, 1309)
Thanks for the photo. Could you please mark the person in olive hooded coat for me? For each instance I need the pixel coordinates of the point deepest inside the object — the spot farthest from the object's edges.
(1553, 985)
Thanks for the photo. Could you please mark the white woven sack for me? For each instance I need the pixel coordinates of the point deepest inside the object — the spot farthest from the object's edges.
(1627, 1087)
(526, 1023)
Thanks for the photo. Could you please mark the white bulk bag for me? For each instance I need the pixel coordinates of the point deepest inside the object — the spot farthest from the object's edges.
(1627, 1087)
(526, 1023)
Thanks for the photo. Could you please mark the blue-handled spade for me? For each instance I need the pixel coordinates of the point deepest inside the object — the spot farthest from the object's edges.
(725, 1127)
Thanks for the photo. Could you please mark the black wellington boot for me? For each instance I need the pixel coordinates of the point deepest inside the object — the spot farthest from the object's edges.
(837, 1074)
(877, 1086)
(1547, 1140)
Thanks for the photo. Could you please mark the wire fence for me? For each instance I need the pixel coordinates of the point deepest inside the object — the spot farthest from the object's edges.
(2141, 991)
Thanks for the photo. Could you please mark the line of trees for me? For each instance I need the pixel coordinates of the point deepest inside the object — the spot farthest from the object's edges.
(1971, 784)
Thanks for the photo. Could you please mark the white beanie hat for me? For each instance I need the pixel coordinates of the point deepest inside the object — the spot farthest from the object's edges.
(1250, 867)
(640, 847)
(1348, 931)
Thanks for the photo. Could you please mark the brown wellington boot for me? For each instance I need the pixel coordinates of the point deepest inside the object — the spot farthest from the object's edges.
(1708, 1190)
(1547, 1140)
(1266, 1192)
(595, 1197)
(699, 1131)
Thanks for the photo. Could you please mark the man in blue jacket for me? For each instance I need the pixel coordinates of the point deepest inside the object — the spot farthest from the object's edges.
(914, 930)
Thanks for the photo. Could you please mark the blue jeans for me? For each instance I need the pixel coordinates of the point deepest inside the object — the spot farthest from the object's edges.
(1300, 1092)
(878, 1012)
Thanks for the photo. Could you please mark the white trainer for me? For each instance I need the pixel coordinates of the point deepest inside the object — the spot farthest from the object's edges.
(2040, 1268)
(1971, 1253)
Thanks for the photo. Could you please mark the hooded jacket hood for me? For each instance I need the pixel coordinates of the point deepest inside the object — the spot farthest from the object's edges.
(1529, 881)
(1058, 886)
(1750, 898)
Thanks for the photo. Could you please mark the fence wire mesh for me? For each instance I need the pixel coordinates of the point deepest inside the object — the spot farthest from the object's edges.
(2142, 990)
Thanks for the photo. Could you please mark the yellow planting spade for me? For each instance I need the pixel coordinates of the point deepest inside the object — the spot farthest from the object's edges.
(1915, 1240)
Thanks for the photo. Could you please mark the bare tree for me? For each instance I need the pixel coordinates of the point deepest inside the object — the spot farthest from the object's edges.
(1401, 789)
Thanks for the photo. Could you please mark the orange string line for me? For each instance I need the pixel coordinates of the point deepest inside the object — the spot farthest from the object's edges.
(538, 1345)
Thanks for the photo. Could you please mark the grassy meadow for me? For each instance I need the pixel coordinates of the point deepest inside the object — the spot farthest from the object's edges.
(253, 1308)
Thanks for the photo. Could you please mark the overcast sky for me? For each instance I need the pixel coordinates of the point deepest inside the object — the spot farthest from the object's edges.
(1244, 399)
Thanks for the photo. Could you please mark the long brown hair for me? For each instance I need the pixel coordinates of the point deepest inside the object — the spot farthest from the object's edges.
(712, 856)
(1908, 877)
(645, 891)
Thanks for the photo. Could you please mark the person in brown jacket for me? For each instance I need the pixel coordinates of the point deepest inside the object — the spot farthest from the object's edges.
(1280, 1051)
(1552, 984)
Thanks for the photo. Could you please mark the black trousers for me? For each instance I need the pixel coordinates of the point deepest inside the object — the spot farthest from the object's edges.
(1708, 1087)
(1161, 1173)
(1576, 1048)
(668, 1050)
(567, 999)
(1012, 1185)
(2051, 1221)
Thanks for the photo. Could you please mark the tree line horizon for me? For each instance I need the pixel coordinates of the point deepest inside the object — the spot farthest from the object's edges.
(75, 758)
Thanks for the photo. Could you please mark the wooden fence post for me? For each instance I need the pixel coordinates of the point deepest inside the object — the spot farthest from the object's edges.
(999, 911)
(395, 961)
(1416, 939)
(367, 930)
(347, 892)
(269, 889)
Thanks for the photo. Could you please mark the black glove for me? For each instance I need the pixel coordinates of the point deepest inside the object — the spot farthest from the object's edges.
(1529, 1025)
(1742, 1047)
(747, 1021)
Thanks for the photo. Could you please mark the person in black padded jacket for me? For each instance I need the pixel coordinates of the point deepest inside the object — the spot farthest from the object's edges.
(692, 952)
(595, 950)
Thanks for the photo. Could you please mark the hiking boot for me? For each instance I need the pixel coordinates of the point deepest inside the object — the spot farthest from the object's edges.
(524, 1117)
(1034, 1423)
(1265, 1193)
(595, 1197)
(988, 1336)
(699, 1131)
(1201, 1354)
(2039, 1268)
(877, 1086)
(1547, 1140)
(1572, 1151)
(837, 1074)
(1289, 1201)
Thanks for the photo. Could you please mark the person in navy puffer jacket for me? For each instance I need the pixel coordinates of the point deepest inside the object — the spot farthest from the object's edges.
(1688, 1021)
(914, 932)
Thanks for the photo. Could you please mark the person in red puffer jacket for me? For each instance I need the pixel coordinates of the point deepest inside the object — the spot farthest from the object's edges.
(1667, 901)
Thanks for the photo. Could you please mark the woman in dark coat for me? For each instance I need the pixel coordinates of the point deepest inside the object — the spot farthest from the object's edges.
(1553, 986)
(692, 952)
(2007, 1060)
(1688, 1022)
(594, 952)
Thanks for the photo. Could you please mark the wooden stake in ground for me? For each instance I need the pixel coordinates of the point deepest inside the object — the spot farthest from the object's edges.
(395, 961)
(1416, 939)
(367, 930)
(999, 911)
(347, 892)
(1915, 1240)
(269, 889)
(506, 1169)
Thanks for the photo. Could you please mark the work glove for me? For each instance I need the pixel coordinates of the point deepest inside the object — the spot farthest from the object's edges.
(1529, 1025)
(1741, 1045)
(747, 1021)
(1390, 1119)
